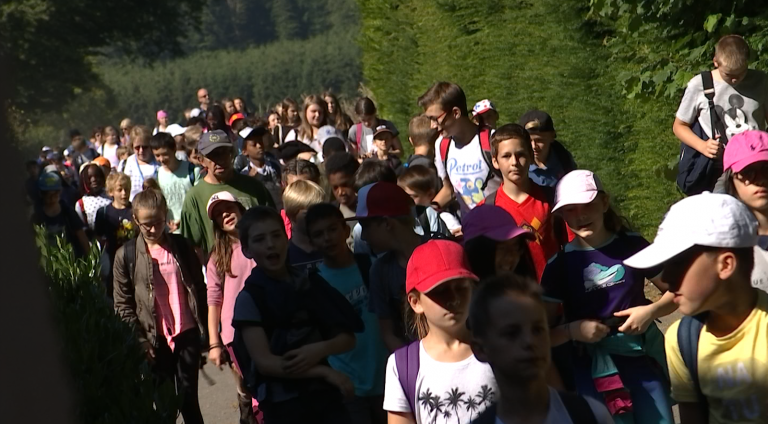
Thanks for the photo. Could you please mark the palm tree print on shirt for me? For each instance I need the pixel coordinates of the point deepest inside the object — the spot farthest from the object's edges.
(436, 406)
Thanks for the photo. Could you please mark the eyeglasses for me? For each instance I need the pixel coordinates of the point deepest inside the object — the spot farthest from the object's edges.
(140, 147)
(147, 226)
(437, 120)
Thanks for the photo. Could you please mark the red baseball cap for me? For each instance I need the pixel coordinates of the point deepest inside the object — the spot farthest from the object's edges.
(434, 263)
(235, 117)
(382, 200)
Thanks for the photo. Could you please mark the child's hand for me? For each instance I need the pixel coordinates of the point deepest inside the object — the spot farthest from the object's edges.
(149, 351)
(341, 381)
(588, 330)
(712, 149)
(173, 226)
(640, 317)
(216, 356)
(302, 359)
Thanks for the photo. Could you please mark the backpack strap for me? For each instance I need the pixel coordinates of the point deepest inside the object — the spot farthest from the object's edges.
(485, 145)
(364, 265)
(421, 216)
(688, 334)
(578, 408)
(191, 172)
(407, 365)
(709, 92)
(82, 208)
(359, 134)
(491, 199)
(129, 256)
(445, 144)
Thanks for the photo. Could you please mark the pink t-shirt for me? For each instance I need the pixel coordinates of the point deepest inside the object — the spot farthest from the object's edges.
(173, 313)
(225, 296)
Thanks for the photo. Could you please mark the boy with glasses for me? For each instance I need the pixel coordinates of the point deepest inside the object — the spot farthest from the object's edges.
(464, 163)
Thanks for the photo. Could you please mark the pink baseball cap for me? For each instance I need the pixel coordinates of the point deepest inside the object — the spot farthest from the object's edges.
(493, 222)
(434, 263)
(744, 149)
(578, 187)
(222, 196)
(162, 114)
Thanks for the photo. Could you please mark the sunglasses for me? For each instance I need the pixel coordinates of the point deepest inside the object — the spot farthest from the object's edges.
(140, 147)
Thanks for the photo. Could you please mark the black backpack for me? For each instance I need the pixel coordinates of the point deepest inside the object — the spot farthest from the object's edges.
(426, 227)
(695, 172)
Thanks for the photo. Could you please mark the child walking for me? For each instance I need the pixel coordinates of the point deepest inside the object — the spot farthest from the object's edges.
(746, 178)
(438, 377)
(349, 274)
(226, 273)
(159, 291)
(287, 323)
(619, 357)
(717, 352)
(92, 181)
(114, 224)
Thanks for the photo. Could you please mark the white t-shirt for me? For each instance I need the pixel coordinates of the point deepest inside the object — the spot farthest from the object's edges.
(311, 142)
(110, 153)
(175, 186)
(467, 170)
(450, 221)
(138, 173)
(760, 271)
(87, 207)
(442, 388)
(557, 414)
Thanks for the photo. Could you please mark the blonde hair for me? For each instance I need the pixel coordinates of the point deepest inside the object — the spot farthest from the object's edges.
(121, 150)
(305, 130)
(151, 200)
(140, 132)
(421, 132)
(417, 323)
(732, 52)
(192, 136)
(300, 195)
(118, 179)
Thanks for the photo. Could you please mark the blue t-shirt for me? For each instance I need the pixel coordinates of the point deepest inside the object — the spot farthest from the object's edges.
(365, 364)
(594, 283)
(549, 175)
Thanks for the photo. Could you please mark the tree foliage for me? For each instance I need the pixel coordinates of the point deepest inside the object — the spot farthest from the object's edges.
(672, 40)
(50, 43)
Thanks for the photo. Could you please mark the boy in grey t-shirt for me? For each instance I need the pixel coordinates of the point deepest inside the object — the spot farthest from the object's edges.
(740, 98)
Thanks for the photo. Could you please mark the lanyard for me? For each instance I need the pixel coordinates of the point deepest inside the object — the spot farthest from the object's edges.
(138, 167)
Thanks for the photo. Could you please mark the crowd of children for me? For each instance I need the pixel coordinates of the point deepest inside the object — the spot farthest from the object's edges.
(485, 278)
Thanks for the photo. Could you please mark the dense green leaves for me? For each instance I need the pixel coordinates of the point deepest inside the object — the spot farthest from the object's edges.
(522, 55)
(111, 378)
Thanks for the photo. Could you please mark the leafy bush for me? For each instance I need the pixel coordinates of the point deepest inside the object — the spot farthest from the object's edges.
(111, 378)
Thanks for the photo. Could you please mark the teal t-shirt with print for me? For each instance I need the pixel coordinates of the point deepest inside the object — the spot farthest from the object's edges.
(366, 363)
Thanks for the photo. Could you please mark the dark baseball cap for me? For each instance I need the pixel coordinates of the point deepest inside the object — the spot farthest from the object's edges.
(212, 140)
(291, 149)
(537, 121)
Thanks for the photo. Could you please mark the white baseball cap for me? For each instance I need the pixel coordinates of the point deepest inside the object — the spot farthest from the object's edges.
(222, 196)
(707, 219)
(175, 129)
(195, 112)
(577, 187)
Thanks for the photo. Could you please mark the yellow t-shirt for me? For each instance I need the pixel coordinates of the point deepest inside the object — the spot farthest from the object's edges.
(733, 370)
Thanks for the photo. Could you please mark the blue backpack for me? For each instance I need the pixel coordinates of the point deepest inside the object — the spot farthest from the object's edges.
(695, 172)
(688, 334)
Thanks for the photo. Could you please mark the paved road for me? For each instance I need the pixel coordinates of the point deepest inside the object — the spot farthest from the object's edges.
(219, 401)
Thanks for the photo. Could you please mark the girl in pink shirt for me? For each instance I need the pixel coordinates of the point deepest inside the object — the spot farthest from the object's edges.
(227, 271)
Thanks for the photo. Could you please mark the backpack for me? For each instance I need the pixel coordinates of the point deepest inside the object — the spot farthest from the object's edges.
(485, 145)
(359, 134)
(191, 173)
(688, 334)
(426, 227)
(407, 363)
(697, 173)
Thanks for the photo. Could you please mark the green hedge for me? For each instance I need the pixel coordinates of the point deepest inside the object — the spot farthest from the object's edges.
(108, 369)
(523, 55)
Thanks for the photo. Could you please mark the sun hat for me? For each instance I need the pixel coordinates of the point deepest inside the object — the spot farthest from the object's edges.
(536, 121)
(49, 181)
(212, 140)
(222, 196)
(493, 222)
(744, 149)
(577, 187)
(482, 106)
(175, 129)
(235, 117)
(434, 263)
(707, 219)
(382, 199)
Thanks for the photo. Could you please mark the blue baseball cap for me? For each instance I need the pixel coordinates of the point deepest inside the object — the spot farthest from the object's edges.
(49, 181)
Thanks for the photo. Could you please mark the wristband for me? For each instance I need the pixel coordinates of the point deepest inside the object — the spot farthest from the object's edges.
(214, 346)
